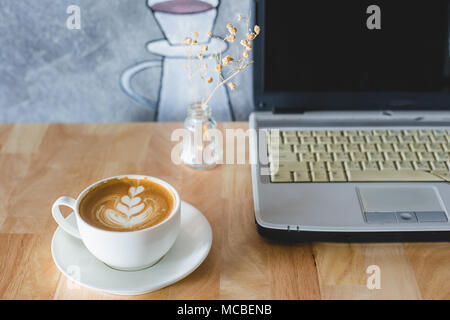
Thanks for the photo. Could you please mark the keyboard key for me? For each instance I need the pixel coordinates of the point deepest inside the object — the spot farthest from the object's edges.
(425, 156)
(358, 156)
(389, 139)
(421, 139)
(288, 166)
(323, 156)
(421, 165)
(318, 147)
(340, 140)
(352, 148)
(334, 166)
(318, 133)
(304, 133)
(283, 157)
(438, 139)
(387, 165)
(369, 165)
(408, 156)
(357, 139)
(324, 140)
(306, 156)
(386, 147)
(335, 148)
(281, 177)
(317, 166)
(368, 147)
(319, 176)
(392, 156)
(291, 140)
(387, 175)
(341, 156)
(401, 147)
(406, 139)
(442, 156)
(289, 133)
(352, 166)
(431, 147)
(438, 165)
(280, 148)
(301, 176)
(333, 133)
(418, 147)
(375, 156)
(337, 176)
(307, 140)
(404, 165)
(373, 139)
(349, 133)
(301, 148)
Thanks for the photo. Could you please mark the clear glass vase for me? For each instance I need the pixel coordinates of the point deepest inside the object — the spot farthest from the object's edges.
(201, 147)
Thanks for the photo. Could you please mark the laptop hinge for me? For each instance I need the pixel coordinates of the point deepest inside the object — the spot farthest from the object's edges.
(278, 110)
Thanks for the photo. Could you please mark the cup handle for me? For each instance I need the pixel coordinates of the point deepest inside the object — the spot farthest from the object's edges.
(127, 77)
(67, 226)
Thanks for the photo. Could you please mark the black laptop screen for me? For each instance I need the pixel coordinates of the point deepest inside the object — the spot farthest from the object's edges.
(327, 46)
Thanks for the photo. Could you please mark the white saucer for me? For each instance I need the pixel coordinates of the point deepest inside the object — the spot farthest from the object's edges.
(190, 249)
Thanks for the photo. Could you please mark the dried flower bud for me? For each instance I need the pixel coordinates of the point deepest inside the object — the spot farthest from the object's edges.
(230, 38)
(231, 29)
(194, 42)
(226, 60)
(251, 36)
(209, 80)
(187, 40)
(219, 68)
(204, 48)
(195, 34)
(232, 85)
(246, 44)
(257, 29)
(246, 54)
(210, 34)
(200, 56)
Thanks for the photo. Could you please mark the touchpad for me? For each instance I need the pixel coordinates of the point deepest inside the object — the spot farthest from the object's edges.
(401, 204)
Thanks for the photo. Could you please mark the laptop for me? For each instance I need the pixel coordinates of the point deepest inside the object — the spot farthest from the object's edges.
(353, 115)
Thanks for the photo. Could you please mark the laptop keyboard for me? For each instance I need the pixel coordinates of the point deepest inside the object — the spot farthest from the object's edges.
(358, 155)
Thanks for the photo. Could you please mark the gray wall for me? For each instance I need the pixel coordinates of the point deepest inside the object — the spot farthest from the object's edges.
(51, 74)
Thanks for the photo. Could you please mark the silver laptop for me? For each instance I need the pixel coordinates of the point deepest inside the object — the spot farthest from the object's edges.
(354, 121)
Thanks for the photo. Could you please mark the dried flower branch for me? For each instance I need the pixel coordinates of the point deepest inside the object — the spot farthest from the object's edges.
(227, 67)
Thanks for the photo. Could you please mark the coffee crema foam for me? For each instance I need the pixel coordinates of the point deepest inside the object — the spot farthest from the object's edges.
(126, 204)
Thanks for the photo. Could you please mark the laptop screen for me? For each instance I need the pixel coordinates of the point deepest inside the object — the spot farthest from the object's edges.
(352, 46)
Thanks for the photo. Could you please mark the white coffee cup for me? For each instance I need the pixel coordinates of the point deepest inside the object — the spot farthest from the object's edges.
(129, 250)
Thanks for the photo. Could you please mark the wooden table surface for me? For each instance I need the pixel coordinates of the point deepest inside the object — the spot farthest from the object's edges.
(40, 162)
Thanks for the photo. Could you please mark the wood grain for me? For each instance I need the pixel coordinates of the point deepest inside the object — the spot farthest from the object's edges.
(40, 162)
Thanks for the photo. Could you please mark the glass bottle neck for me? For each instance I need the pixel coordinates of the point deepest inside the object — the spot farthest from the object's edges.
(198, 112)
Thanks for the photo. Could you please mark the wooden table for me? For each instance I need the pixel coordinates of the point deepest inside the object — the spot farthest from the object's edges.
(40, 162)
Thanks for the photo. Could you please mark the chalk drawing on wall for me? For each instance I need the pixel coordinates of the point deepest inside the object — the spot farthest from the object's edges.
(178, 19)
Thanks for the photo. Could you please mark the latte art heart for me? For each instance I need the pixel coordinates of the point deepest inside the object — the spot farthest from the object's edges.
(135, 191)
(130, 211)
(130, 202)
(126, 205)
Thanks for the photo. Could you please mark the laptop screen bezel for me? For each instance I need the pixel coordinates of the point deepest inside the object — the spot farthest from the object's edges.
(288, 101)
